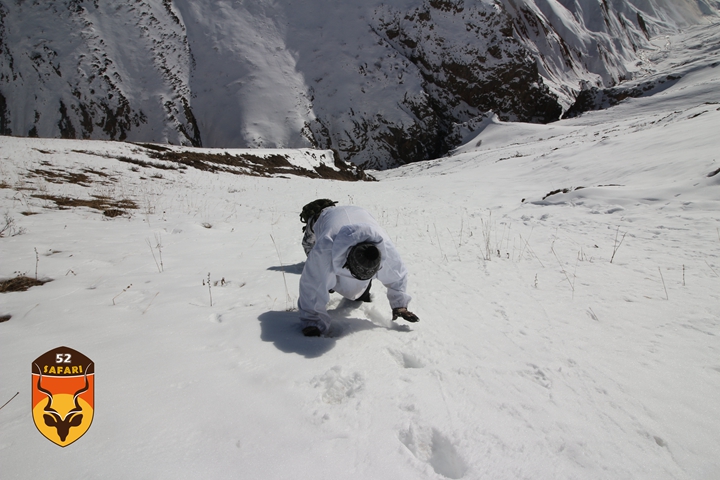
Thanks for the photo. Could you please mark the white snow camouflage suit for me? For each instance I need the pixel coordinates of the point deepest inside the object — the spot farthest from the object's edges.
(327, 242)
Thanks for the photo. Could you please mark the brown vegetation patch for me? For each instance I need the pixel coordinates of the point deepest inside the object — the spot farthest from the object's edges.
(61, 176)
(133, 161)
(254, 165)
(79, 178)
(113, 212)
(239, 164)
(561, 190)
(97, 202)
(142, 163)
(98, 173)
(153, 146)
(20, 284)
(213, 162)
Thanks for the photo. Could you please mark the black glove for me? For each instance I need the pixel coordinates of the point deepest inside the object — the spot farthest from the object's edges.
(405, 314)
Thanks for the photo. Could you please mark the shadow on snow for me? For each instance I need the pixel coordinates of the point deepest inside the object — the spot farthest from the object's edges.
(296, 268)
(282, 328)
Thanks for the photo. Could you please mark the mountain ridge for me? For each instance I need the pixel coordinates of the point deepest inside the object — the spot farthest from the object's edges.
(382, 85)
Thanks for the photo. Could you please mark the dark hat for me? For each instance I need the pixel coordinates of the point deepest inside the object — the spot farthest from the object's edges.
(363, 260)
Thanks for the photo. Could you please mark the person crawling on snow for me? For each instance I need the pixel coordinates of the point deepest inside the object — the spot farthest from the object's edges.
(346, 249)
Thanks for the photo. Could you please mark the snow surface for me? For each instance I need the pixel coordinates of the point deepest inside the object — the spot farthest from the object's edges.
(536, 357)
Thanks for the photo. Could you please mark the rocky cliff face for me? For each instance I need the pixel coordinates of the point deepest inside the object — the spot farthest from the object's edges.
(95, 69)
(467, 62)
(382, 84)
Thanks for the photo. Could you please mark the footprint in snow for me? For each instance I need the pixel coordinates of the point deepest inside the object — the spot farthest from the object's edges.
(537, 375)
(406, 360)
(338, 388)
(431, 446)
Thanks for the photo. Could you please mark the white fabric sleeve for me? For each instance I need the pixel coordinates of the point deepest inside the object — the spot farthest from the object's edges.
(393, 275)
(315, 282)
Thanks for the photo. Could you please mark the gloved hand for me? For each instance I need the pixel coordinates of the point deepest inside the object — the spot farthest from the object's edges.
(405, 314)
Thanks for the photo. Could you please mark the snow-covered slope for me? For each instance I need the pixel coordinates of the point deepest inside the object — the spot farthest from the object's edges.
(382, 83)
(660, 70)
(565, 332)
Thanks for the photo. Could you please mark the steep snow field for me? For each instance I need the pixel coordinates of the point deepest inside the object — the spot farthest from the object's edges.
(536, 356)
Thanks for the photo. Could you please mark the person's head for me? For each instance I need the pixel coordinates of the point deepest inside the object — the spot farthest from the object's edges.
(363, 261)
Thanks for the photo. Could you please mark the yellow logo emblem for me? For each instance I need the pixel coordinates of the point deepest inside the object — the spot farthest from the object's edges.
(63, 394)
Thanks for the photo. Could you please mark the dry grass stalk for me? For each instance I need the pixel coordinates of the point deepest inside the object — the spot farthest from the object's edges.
(663, 282)
(287, 292)
(616, 246)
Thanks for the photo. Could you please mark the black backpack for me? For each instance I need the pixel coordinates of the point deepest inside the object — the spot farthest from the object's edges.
(314, 208)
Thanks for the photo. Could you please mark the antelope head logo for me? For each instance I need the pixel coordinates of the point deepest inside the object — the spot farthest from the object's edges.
(63, 395)
(72, 416)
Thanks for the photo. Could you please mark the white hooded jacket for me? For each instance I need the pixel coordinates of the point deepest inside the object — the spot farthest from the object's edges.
(336, 230)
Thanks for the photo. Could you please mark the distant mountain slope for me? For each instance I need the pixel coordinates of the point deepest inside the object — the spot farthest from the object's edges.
(106, 70)
(382, 84)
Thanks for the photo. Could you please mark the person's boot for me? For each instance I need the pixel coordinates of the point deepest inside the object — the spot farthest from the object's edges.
(311, 331)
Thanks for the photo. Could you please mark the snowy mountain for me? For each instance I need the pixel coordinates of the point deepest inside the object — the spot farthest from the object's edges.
(566, 276)
(382, 83)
